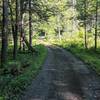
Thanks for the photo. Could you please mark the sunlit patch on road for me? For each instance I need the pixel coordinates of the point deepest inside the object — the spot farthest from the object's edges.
(69, 96)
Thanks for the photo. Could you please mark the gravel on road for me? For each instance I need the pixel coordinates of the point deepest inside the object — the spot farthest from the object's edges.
(64, 77)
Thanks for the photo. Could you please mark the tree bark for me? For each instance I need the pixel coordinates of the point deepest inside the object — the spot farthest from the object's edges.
(14, 28)
(85, 26)
(16, 31)
(4, 34)
(28, 45)
(96, 26)
(22, 45)
(30, 24)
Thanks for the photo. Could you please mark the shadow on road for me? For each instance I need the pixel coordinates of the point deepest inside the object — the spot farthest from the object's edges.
(63, 77)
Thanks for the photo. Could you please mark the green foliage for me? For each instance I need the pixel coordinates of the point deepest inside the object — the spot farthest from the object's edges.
(11, 86)
(76, 46)
(13, 68)
(2, 98)
(54, 17)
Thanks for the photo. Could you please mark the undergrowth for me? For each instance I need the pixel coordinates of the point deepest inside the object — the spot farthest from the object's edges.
(76, 46)
(19, 74)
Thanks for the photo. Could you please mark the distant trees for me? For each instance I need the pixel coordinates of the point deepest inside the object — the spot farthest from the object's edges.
(89, 11)
(12, 14)
(13, 22)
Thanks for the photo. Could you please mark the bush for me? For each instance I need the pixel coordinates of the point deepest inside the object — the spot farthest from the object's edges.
(11, 84)
(2, 98)
(13, 68)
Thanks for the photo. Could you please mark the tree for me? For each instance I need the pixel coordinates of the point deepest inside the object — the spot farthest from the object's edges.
(15, 34)
(85, 27)
(4, 33)
(30, 24)
(96, 25)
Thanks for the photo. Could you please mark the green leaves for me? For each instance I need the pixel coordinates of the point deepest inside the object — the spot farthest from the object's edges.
(11, 87)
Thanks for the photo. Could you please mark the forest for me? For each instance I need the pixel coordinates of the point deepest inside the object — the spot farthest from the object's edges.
(28, 27)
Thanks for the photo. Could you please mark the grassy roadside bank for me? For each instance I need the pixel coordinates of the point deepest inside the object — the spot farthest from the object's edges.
(88, 56)
(12, 86)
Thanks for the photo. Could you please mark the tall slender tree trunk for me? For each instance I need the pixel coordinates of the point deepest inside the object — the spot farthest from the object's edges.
(22, 45)
(85, 26)
(4, 33)
(59, 33)
(11, 17)
(22, 32)
(59, 26)
(96, 26)
(16, 31)
(30, 24)
(20, 26)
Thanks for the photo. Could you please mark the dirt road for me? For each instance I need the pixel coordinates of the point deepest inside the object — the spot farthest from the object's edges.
(64, 77)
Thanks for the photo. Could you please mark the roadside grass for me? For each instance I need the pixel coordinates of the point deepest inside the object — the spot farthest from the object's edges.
(76, 47)
(20, 73)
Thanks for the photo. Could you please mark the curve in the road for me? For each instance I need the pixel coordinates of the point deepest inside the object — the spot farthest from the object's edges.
(64, 77)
